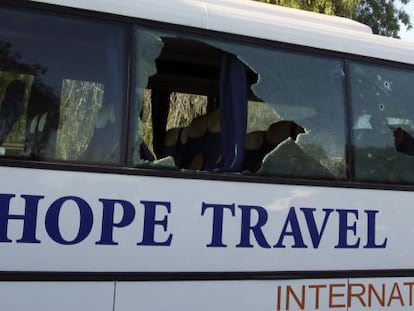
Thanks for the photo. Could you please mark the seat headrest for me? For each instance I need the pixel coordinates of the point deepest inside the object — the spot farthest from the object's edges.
(171, 137)
(254, 140)
(281, 130)
(213, 121)
(198, 127)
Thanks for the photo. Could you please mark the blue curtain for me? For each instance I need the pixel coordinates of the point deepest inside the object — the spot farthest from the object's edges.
(233, 111)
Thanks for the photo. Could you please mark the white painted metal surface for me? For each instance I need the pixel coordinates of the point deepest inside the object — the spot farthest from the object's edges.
(259, 20)
(390, 294)
(62, 296)
(177, 225)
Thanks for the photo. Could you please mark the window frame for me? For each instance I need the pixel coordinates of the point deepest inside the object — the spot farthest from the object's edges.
(125, 167)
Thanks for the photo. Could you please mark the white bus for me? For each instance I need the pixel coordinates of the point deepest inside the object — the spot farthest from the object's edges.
(202, 155)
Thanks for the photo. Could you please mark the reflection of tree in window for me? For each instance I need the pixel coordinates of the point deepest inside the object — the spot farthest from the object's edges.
(80, 103)
(12, 107)
(43, 117)
(13, 69)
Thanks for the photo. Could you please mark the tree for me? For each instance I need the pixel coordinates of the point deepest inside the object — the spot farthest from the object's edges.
(383, 16)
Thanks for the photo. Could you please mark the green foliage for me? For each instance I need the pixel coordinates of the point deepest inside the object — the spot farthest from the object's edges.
(16, 136)
(345, 8)
(11, 62)
(385, 17)
(183, 109)
(260, 116)
(14, 69)
(320, 6)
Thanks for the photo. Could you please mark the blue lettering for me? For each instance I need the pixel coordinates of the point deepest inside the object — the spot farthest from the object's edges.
(371, 231)
(150, 222)
(344, 227)
(108, 222)
(293, 223)
(117, 214)
(256, 229)
(29, 218)
(52, 220)
(312, 227)
(218, 213)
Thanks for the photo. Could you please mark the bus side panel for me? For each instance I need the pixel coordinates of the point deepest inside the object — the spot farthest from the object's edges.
(62, 296)
(292, 295)
(219, 295)
(49, 220)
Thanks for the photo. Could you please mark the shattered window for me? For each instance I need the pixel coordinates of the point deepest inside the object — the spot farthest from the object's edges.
(383, 123)
(265, 111)
(176, 92)
(305, 93)
(62, 87)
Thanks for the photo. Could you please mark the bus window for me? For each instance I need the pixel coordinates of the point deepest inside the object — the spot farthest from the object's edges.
(71, 77)
(178, 80)
(383, 123)
(267, 111)
(305, 92)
